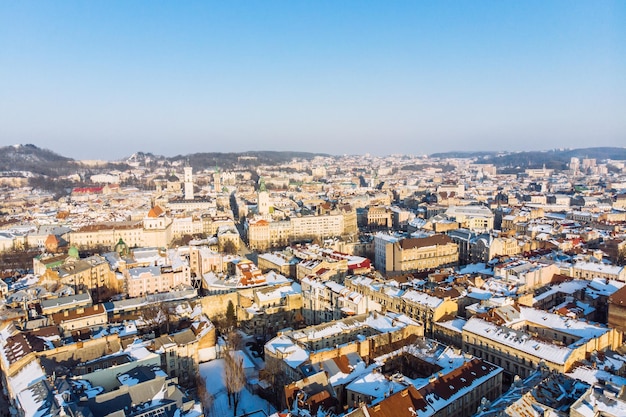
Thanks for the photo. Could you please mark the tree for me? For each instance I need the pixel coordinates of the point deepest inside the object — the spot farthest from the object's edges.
(205, 397)
(275, 376)
(231, 317)
(234, 378)
(230, 247)
(234, 340)
(157, 316)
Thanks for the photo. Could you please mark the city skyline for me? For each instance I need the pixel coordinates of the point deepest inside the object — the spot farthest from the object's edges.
(102, 81)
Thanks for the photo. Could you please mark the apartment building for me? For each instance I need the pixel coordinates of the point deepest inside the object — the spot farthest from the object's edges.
(379, 217)
(455, 394)
(534, 336)
(264, 234)
(294, 351)
(92, 274)
(526, 275)
(591, 270)
(181, 352)
(270, 309)
(416, 254)
(141, 281)
(325, 301)
(476, 218)
(417, 305)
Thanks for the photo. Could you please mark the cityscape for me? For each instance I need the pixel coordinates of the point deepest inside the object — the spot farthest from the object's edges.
(295, 284)
(271, 208)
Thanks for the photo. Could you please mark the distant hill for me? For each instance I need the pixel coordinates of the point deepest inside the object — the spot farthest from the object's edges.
(553, 159)
(33, 159)
(208, 160)
(463, 154)
(45, 162)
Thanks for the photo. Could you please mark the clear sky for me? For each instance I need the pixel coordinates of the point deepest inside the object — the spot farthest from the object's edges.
(104, 79)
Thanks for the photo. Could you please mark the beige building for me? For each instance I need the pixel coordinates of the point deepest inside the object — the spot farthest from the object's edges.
(455, 394)
(419, 254)
(476, 218)
(155, 230)
(186, 226)
(92, 274)
(526, 275)
(323, 268)
(270, 309)
(182, 352)
(264, 234)
(368, 335)
(484, 249)
(277, 261)
(325, 301)
(418, 305)
(617, 310)
(141, 281)
(317, 226)
(379, 217)
(108, 234)
(80, 318)
(203, 260)
(535, 336)
(210, 223)
(591, 270)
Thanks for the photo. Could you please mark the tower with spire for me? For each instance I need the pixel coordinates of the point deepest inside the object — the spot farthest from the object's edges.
(217, 180)
(263, 199)
(188, 183)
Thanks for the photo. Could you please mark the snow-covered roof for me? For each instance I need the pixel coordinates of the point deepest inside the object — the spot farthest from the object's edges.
(291, 353)
(422, 298)
(579, 328)
(518, 340)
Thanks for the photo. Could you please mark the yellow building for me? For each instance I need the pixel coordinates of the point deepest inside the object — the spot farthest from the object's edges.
(80, 318)
(379, 217)
(536, 336)
(92, 274)
(420, 254)
(418, 305)
(264, 234)
(155, 230)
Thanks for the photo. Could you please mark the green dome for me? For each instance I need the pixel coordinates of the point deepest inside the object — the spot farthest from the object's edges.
(73, 252)
(121, 247)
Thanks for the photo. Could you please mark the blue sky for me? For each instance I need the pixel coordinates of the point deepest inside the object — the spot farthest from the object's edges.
(105, 79)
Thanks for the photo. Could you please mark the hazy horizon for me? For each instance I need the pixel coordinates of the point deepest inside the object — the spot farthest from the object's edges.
(104, 80)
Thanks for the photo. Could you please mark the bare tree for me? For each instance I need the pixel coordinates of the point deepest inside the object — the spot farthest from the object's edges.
(205, 397)
(234, 378)
(235, 340)
(229, 247)
(275, 376)
(157, 316)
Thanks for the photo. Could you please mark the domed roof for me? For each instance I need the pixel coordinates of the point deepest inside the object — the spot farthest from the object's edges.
(121, 247)
(73, 252)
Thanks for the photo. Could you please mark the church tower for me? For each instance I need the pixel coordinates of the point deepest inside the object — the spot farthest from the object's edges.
(217, 180)
(263, 199)
(188, 183)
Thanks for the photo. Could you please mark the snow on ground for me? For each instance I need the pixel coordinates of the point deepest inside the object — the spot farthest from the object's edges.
(213, 373)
